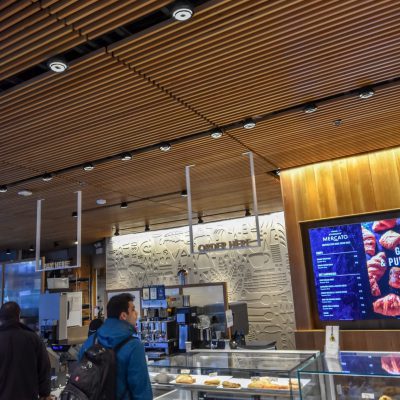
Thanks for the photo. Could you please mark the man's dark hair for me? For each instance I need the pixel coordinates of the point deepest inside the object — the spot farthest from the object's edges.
(10, 311)
(118, 304)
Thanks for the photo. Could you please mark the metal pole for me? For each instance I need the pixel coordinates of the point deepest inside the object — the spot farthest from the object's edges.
(189, 203)
(255, 203)
(38, 229)
(79, 229)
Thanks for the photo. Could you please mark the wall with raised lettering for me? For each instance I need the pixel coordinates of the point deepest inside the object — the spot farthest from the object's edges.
(260, 275)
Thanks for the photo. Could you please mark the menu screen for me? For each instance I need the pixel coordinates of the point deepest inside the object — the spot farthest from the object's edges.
(357, 270)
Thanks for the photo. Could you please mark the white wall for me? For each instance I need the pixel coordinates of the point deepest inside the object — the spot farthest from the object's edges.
(259, 276)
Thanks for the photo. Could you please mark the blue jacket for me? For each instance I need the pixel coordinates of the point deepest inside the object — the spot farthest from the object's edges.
(132, 373)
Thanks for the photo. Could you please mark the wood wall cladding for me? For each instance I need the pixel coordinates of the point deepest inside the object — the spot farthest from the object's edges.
(259, 276)
(354, 185)
(232, 60)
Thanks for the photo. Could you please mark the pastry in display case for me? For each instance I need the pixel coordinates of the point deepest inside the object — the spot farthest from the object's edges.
(203, 374)
(353, 375)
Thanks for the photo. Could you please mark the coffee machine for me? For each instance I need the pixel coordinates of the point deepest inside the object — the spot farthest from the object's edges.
(186, 318)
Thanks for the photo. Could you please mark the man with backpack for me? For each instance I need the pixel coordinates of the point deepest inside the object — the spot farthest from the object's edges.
(24, 362)
(114, 343)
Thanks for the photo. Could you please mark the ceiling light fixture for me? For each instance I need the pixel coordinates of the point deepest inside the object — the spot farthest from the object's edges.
(31, 249)
(277, 172)
(124, 204)
(366, 92)
(184, 193)
(57, 64)
(76, 241)
(146, 228)
(216, 133)
(338, 122)
(247, 213)
(126, 156)
(3, 189)
(88, 167)
(74, 214)
(310, 108)
(8, 251)
(165, 146)
(25, 192)
(116, 231)
(249, 123)
(101, 202)
(182, 10)
(200, 219)
(47, 177)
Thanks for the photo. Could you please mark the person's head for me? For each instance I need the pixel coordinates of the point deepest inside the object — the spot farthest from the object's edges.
(10, 311)
(121, 306)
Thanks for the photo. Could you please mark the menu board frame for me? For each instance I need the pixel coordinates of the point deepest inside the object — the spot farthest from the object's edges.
(305, 226)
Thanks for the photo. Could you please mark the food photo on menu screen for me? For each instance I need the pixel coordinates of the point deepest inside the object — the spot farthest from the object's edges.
(356, 270)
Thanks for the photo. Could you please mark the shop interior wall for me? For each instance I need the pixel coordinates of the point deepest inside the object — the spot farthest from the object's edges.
(260, 277)
(348, 186)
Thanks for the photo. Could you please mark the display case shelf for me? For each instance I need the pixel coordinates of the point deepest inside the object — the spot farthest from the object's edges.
(266, 374)
(351, 376)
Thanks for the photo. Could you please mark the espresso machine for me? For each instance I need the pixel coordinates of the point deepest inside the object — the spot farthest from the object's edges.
(186, 318)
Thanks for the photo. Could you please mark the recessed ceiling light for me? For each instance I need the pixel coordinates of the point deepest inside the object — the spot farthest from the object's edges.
(25, 192)
(47, 177)
(74, 214)
(57, 64)
(3, 189)
(76, 242)
(366, 93)
(124, 204)
(310, 108)
(182, 11)
(126, 156)
(338, 122)
(165, 146)
(101, 202)
(88, 167)
(216, 133)
(249, 123)
(31, 249)
(8, 251)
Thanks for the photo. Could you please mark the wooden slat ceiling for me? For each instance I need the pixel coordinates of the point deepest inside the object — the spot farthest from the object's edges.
(234, 59)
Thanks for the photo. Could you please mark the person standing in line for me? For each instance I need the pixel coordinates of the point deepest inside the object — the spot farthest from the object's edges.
(133, 381)
(24, 362)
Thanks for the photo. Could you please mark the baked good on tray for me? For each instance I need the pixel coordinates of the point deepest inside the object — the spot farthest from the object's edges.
(185, 378)
(231, 385)
(212, 382)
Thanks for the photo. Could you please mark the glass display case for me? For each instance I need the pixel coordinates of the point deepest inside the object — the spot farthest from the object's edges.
(237, 374)
(353, 375)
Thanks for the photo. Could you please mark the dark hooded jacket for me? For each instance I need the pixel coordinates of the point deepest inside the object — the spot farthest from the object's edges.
(24, 363)
(133, 382)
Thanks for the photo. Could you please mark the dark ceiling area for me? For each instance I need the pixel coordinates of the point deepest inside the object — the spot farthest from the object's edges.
(320, 80)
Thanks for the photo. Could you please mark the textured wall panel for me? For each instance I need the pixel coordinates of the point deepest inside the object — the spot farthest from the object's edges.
(259, 276)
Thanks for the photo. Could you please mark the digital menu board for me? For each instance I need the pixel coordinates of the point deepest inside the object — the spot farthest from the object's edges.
(356, 270)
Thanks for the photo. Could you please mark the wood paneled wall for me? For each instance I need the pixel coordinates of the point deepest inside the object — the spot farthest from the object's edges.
(354, 185)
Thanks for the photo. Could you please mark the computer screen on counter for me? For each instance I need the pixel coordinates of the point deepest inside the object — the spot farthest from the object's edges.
(355, 267)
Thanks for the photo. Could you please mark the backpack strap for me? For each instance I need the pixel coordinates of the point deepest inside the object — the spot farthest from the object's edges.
(123, 343)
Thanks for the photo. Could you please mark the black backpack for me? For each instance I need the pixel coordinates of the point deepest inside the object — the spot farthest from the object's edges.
(95, 376)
